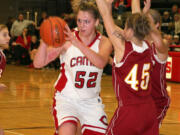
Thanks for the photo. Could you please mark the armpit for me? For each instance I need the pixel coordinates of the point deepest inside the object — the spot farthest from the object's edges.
(118, 34)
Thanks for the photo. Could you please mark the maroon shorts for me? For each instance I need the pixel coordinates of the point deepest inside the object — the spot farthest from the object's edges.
(137, 119)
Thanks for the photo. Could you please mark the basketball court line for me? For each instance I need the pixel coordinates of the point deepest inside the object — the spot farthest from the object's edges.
(173, 121)
(33, 100)
(23, 107)
(22, 128)
(5, 131)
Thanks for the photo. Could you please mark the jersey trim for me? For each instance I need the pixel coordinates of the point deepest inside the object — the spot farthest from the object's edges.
(55, 115)
(62, 81)
(97, 35)
(140, 49)
(155, 55)
(92, 128)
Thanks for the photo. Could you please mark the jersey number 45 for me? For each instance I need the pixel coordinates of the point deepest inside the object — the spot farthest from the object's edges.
(143, 82)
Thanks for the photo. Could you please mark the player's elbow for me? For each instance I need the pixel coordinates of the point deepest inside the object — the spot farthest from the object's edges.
(101, 65)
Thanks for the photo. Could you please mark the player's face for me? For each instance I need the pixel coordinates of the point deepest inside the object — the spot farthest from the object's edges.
(4, 36)
(86, 23)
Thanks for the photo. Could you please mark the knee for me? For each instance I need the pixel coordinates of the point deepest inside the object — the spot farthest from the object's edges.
(68, 129)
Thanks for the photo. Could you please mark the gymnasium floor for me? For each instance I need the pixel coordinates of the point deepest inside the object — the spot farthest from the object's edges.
(25, 106)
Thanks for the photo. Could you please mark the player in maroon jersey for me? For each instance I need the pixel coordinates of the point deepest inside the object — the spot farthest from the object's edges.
(159, 92)
(4, 44)
(158, 76)
(132, 67)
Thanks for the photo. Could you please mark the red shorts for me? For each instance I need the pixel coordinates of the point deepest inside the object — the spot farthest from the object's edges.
(137, 119)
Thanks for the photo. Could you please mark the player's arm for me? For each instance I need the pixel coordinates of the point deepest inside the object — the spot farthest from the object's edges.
(161, 44)
(147, 6)
(135, 6)
(105, 49)
(45, 54)
(114, 32)
(98, 59)
(24, 38)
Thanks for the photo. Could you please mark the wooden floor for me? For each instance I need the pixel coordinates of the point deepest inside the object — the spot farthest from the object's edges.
(25, 106)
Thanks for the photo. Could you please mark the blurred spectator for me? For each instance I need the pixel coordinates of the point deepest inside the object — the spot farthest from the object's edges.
(21, 48)
(177, 24)
(44, 15)
(127, 3)
(166, 25)
(176, 40)
(119, 6)
(122, 6)
(174, 10)
(24, 40)
(9, 22)
(34, 42)
(33, 49)
(169, 38)
(19, 25)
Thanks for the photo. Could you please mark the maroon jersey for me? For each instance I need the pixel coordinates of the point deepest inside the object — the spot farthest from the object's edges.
(136, 112)
(2, 62)
(159, 92)
(131, 77)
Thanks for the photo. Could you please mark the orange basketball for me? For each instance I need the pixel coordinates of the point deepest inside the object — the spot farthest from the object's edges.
(51, 31)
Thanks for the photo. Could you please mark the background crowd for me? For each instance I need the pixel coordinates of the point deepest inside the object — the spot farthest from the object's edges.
(25, 37)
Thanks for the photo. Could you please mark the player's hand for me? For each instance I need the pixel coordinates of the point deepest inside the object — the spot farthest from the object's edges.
(68, 33)
(147, 5)
(70, 36)
(42, 43)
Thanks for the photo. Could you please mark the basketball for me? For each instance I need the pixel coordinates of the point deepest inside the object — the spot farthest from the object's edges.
(51, 31)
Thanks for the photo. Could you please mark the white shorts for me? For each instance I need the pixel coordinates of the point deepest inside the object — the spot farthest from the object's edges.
(89, 112)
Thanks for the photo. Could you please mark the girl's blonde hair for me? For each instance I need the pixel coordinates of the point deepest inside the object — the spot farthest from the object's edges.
(76, 3)
(155, 15)
(89, 7)
(140, 25)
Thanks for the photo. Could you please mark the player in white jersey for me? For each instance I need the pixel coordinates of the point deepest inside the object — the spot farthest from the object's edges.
(77, 106)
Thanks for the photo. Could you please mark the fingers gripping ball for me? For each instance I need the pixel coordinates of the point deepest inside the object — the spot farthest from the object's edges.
(51, 31)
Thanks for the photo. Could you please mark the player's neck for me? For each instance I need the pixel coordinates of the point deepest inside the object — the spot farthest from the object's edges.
(87, 39)
(137, 42)
(149, 39)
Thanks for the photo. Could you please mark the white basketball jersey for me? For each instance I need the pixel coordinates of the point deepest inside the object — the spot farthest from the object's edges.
(79, 78)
